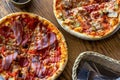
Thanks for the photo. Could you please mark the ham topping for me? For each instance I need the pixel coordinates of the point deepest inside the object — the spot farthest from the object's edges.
(91, 8)
(25, 40)
(46, 41)
(8, 60)
(18, 31)
(18, 27)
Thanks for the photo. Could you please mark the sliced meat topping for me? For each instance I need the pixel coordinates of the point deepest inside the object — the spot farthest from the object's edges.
(23, 30)
(18, 31)
(26, 38)
(91, 8)
(46, 41)
(6, 62)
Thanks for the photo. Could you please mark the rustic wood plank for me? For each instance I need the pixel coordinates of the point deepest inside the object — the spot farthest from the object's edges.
(109, 47)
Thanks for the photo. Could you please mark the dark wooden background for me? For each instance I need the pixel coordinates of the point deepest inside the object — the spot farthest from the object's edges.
(109, 47)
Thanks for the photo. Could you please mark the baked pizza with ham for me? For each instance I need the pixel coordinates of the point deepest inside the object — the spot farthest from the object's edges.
(88, 19)
(31, 48)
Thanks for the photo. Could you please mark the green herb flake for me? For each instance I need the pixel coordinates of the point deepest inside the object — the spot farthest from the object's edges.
(93, 28)
(116, 6)
(101, 12)
(79, 4)
(71, 17)
(77, 24)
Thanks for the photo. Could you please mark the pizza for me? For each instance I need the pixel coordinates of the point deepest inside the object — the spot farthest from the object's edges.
(88, 19)
(31, 48)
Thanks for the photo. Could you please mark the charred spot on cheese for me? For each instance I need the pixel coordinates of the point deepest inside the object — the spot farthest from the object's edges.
(1, 39)
(20, 74)
(25, 46)
(1, 56)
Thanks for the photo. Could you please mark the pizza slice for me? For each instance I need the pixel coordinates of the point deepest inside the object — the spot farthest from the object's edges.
(45, 51)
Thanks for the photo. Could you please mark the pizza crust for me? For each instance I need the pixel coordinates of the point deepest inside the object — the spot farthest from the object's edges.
(83, 35)
(60, 38)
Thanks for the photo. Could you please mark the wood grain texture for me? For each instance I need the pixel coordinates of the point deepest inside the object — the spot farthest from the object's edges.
(109, 47)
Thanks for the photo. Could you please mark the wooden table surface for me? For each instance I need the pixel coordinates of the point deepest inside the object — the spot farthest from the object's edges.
(109, 47)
